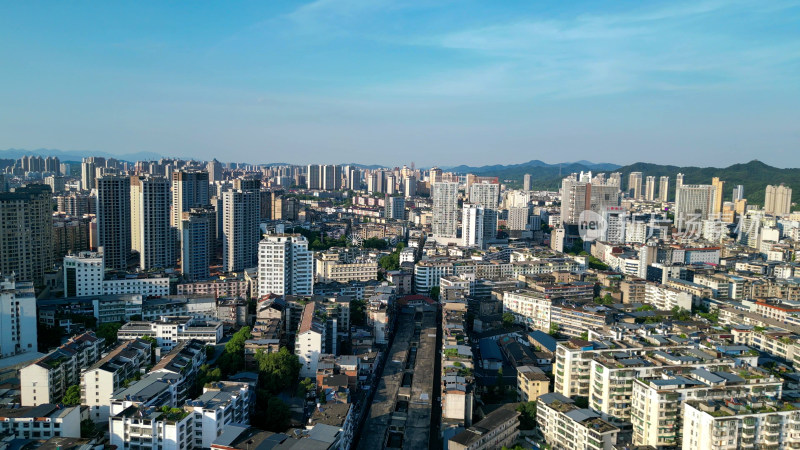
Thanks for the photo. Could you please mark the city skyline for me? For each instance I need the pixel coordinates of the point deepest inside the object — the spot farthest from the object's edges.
(702, 83)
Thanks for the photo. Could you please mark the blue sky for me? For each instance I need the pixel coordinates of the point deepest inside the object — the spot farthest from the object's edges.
(431, 81)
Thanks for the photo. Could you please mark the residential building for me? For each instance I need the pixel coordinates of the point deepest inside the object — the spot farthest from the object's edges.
(114, 220)
(26, 232)
(310, 341)
(221, 404)
(197, 231)
(531, 383)
(663, 188)
(635, 185)
(566, 426)
(47, 379)
(18, 318)
(486, 195)
(151, 234)
(445, 209)
(285, 265)
(498, 429)
(189, 190)
(108, 375)
(693, 204)
(240, 230)
(778, 200)
(169, 331)
(40, 422)
(472, 226)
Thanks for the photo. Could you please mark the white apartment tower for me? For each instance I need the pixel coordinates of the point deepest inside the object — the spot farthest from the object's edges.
(487, 196)
(445, 209)
(17, 317)
(151, 233)
(472, 223)
(693, 204)
(285, 265)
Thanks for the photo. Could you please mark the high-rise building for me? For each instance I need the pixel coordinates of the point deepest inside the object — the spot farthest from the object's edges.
(719, 192)
(410, 184)
(214, 169)
(285, 265)
(778, 200)
(663, 189)
(391, 184)
(487, 196)
(151, 233)
(240, 230)
(26, 232)
(395, 207)
(435, 175)
(678, 180)
(17, 316)
(635, 185)
(579, 194)
(650, 189)
(526, 182)
(189, 190)
(738, 193)
(87, 174)
(114, 220)
(331, 177)
(197, 242)
(693, 204)
(472, 223)
(314, 176)
(445, 209)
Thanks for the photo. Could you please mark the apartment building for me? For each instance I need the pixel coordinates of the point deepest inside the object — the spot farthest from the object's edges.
(102, 379)
(138, 427)
(47, 379)
(221, 404)
(531, 383)
(17, 317)
(310, 340)
(285, 265)
(457, 365)
(169, 331)
(500, 428)
(529, 307)
(740, 422)
(85, 275)
(665, 298)
(565, 426)
(41, 422)
(656, 403)
(328, 267)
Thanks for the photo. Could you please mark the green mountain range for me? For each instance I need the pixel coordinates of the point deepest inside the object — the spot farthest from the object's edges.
(754, 176)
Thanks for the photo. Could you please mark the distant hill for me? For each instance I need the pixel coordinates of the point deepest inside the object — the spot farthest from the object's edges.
(754, 176)
(530, 165)
(77, 155)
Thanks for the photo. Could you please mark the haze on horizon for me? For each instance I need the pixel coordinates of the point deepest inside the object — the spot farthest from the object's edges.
(705, 83)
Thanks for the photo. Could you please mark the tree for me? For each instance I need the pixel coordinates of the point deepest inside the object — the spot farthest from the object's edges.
(88, 429)
(278, 370)
(72, 397)
(48, 337)
(358, 313)
(304, 387)
(232, 359)
(508, 320)
(679, 313)
(153, 345)
(527, 418)
(108, 331)
(554, 329)
(435, 292)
